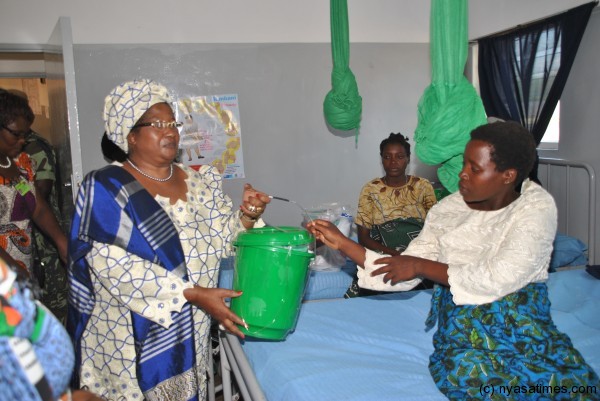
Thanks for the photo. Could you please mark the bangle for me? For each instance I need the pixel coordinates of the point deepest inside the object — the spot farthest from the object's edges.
(248, 218)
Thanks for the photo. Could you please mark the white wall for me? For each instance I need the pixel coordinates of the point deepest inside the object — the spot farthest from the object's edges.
(580, 106)
(250, 21)
(287, 148)
(390, 103)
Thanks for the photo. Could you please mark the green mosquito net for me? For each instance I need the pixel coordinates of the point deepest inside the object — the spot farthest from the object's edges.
(450, 108)
(343, 105)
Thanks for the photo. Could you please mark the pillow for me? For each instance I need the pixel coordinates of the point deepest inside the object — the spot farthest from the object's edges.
(568, 251)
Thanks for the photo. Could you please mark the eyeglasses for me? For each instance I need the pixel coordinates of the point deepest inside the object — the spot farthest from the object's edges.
(159, 124)
(17, 134)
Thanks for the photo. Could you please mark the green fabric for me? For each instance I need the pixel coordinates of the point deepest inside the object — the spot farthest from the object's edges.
(450, 108)
(397, 233)
(39, 324)
(343, 104)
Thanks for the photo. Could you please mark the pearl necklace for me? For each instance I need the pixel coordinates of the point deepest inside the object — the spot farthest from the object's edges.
(136, 168)
(7, 165)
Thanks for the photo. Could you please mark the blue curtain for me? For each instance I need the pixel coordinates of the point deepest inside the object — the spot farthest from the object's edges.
(523, 72)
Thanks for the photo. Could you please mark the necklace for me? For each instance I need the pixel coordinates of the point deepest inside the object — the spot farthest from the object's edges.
(136, 168)
(386, 183)
(7, 165)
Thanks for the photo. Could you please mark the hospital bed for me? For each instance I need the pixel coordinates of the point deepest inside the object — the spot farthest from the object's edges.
(376, 348)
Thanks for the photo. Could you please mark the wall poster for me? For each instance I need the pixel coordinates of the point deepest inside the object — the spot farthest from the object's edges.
(211, 133)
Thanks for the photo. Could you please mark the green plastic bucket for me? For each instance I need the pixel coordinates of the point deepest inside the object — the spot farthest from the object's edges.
(271, 269)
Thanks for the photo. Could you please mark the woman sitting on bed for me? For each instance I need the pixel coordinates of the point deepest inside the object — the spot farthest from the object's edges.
(391, 209)
(488, 247)
(394, 197)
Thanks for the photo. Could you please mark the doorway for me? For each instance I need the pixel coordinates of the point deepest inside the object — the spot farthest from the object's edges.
(46, 73)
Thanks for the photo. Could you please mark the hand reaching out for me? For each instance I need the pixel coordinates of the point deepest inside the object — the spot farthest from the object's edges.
(326, 232)
(330, 235)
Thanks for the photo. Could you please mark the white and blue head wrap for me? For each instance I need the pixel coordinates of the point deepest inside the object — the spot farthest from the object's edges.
(126, 103)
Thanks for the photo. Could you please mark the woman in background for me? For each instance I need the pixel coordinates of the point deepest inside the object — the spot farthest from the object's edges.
(488, 247)
(391, 209)
(19, 203)
(146, 242)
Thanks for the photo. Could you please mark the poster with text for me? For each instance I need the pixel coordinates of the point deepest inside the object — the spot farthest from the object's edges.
(211, 133)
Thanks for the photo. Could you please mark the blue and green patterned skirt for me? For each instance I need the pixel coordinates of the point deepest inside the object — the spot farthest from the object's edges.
(509, 349)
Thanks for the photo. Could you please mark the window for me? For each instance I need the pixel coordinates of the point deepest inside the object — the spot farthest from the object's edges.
(546, 63)
(551, 137)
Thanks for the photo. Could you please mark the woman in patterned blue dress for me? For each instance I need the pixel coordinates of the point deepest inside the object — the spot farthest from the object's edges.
(145, 246)
(488, 247)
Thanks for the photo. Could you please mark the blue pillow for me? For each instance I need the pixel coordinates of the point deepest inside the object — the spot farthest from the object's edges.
(568, 251)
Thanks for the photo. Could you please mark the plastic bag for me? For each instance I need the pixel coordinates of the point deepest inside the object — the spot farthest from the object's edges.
(327, 259)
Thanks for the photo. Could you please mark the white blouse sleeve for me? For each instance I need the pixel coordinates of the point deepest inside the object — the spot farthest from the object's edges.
(521, 257)
(376, 283)
(138, 284)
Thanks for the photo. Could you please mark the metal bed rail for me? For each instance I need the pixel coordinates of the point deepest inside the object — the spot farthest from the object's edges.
(233, 360)
(591, 220)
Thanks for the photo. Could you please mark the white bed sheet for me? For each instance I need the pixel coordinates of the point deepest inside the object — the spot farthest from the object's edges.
(376, 348)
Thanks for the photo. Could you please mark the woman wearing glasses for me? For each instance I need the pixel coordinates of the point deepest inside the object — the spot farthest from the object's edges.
(19, 205)
(145, 247)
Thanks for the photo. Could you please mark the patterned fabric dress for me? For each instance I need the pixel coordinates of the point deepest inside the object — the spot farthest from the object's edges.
(379, 203)
(494, 323)
(17, 204)
(131, 293)
(36, 355)
(50, 272)
(511, 342)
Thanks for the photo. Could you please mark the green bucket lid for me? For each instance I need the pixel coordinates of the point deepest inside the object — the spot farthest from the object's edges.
(274, 236)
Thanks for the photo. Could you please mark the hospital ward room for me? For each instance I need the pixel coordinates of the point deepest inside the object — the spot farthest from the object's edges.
(317, 200)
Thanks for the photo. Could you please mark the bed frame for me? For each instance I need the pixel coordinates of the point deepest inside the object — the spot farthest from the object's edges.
(573, 186)
(235, 366)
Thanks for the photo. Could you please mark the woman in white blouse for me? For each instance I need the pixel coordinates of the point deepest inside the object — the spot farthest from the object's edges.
(488, 248)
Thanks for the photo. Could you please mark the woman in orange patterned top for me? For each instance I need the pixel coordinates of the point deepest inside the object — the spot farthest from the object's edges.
(19, 206)
(392, 208)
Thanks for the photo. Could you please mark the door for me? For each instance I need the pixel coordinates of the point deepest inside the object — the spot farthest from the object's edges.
(62, 96)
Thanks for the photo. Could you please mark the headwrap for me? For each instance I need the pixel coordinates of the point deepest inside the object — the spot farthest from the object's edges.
(126, 103)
